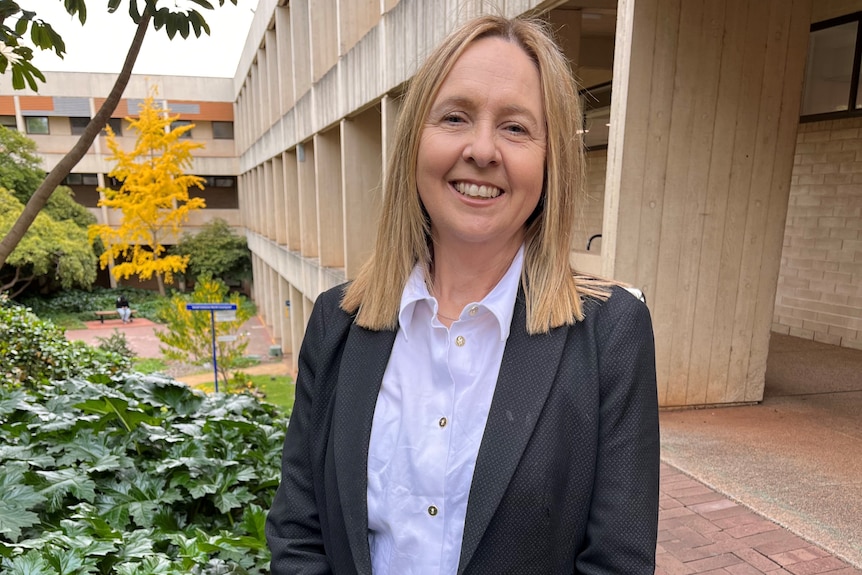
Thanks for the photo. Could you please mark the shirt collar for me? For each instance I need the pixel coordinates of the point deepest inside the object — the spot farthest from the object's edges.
(500, 301)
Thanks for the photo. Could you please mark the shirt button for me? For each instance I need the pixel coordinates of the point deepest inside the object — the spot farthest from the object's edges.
(473, 310)
(460, 341)
(432, 511)
(443, 421)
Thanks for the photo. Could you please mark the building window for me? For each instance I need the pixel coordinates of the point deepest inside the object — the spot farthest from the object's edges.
(219, 181)
(81, 180)
(116, 125)
(36, 124)
(223, 130)
(831, 88)
(78, 125)
(179, 124)
(596, 106)
(9, 122)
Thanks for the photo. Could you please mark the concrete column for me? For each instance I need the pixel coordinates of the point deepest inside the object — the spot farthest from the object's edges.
(291, 200)
(361, 158)
(297, 322)
(330, 212)
(703, 127)
(307, 199)
(283, 326)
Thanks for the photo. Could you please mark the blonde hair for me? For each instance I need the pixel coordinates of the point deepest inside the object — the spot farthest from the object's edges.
(553, 294)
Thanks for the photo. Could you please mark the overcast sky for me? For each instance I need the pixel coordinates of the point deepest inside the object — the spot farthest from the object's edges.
(101, 44)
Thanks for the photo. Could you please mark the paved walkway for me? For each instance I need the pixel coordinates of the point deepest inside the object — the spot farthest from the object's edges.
(701, 531)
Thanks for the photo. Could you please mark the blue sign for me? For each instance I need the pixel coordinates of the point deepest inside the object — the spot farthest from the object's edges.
(210, 306)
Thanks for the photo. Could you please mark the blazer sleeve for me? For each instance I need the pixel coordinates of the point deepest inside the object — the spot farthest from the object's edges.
(623, 517)
(293, 529)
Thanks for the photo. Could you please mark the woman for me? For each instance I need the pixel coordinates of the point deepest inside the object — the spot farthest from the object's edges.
(468, 404)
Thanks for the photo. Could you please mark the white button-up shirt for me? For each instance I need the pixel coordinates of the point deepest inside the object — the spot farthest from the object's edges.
(428, 423)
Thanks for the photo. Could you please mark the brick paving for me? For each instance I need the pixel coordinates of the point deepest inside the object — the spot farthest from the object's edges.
(704, 532)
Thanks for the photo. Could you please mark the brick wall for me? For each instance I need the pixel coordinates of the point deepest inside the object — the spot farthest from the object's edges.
(820, 282)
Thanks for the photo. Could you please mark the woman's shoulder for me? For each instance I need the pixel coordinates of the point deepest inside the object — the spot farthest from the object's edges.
(607, 301)
(328, 303)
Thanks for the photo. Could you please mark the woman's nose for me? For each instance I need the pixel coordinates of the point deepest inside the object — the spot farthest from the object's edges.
(482, 147)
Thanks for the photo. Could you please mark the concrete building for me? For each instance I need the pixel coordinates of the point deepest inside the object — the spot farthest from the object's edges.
(696, 183)
(725, 175)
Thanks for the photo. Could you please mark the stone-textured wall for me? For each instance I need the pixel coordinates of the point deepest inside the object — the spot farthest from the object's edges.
(820, 284)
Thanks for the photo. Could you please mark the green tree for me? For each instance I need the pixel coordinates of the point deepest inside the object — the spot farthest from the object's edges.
(60, 264)
(54, 249)
(16, 56)
(216, 251)
(188, 334)
(20, 168)
(153, 197)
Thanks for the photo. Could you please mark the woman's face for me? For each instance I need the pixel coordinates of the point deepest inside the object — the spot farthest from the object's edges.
(481, 157)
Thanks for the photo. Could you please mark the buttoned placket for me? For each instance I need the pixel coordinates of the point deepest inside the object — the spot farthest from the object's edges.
(457, 365)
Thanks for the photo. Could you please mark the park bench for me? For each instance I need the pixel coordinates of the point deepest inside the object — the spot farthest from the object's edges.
(110, 313)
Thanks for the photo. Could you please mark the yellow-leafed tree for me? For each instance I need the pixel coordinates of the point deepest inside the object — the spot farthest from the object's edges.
(153, 197)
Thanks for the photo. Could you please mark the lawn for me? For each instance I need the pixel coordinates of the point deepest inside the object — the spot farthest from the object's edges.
(276, 389)
(279, 390)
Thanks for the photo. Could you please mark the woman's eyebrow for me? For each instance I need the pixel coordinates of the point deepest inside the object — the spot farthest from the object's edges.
(465, 102)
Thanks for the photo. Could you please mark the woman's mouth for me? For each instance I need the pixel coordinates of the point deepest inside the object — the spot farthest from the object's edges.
(474, 191)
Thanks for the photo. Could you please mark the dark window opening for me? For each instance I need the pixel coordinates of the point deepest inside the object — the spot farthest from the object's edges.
(179, 124)
(223, 130)
(78, 125)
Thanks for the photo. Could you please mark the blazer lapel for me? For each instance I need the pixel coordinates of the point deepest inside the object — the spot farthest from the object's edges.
(366, 355)
(526, 374)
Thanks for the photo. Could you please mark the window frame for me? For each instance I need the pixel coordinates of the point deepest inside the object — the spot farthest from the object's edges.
(47, 131)
(77, 131)
(220, 122)
(853, 95)
(180, 123)
(116, 125)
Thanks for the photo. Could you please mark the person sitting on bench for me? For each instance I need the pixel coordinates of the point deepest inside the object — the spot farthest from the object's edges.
(123, 309)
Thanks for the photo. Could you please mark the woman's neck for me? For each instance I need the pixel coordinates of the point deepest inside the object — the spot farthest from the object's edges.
(464, 275)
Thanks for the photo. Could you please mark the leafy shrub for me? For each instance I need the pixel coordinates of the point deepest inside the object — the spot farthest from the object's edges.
(135, 475)
(216, 251)
(82, 303)
(116, 343)
(188, 334)
(34, 352)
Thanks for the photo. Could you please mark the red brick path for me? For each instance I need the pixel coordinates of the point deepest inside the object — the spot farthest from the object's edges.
(701, 531)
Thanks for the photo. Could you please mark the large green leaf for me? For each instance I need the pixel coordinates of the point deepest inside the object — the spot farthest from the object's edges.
(112, 407)
(17, 499)
(71, 562)
(96, 452)
(66, 481)
(31, 563)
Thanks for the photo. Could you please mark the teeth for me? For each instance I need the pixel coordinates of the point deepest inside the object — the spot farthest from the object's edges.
(475, 191)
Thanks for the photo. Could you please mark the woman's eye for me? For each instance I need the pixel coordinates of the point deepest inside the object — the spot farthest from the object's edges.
(452, 119)
(515, 129)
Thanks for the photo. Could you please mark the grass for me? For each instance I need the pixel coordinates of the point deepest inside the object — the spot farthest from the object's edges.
(67, 320)
(277, 389)
(149, 365)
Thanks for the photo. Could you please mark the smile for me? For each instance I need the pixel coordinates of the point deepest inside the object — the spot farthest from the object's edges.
(474, 191)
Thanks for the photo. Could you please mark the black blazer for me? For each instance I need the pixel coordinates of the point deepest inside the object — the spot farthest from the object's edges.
(566, 479)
